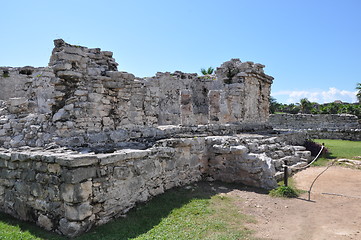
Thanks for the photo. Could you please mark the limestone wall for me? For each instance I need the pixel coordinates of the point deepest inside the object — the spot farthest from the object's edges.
(69, 192)
(81, 99)
(81, 143)
(329, 126)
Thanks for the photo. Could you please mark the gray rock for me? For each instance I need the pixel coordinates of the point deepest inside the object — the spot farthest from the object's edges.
(45, 222)
(78, 212)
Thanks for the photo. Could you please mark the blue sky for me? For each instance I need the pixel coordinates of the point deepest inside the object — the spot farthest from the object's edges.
(311, 48)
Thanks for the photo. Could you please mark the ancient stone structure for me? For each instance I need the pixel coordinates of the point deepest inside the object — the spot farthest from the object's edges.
(82, 143)
(329, 126)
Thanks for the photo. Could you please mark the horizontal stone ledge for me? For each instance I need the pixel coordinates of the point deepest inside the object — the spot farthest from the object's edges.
(77, 160)
(69, 75)
(5, 156)
(122, 155)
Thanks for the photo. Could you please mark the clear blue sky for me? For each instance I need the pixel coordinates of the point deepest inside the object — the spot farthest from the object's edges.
(311, 48)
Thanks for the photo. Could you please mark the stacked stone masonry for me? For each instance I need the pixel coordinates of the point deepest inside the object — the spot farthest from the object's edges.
(81, 99)
(329, 126)
(82, 143)
(69, 192)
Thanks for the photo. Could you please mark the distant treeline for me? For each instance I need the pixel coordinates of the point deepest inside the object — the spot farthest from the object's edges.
(305, 106)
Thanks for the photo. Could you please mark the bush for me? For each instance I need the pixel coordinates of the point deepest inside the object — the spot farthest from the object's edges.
(284, 191)
(315, 148)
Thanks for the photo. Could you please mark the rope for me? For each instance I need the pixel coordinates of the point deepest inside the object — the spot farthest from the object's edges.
(322, 147)
(309, 191)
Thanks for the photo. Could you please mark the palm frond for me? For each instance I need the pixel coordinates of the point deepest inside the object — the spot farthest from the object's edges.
(203, 71)
(210, 70)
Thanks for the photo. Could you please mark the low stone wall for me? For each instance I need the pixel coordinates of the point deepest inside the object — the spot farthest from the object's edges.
(329, 126)
(69, 192)
(352, 134)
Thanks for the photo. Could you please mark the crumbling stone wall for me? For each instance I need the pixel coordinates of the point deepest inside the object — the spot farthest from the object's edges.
(82, 100)
(69, 192)
(82, 143)
(329, 126)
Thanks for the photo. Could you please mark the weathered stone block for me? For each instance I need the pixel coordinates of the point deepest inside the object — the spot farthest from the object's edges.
(238, 149)
(122, 173)
(54, 168)
(37, 190)
(78, 212)
(70, 75)
(76, 193)
(78, 175)
(77, 161)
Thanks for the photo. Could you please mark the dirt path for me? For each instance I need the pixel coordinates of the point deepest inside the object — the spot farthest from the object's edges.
(324, 217)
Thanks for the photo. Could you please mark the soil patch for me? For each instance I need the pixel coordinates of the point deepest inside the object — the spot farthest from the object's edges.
(334, 211)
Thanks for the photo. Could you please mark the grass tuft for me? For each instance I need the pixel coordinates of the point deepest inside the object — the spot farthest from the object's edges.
(284, 192)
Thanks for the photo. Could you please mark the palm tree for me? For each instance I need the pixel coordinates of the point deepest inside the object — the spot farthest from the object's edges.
(306, 105)
(358, 87)
(208, 71)
(273, 105)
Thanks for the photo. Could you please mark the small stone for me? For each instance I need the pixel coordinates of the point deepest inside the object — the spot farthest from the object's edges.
(45, 222)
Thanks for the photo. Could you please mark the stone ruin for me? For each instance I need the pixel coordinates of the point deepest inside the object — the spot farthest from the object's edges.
(82, 143)
(320, 126)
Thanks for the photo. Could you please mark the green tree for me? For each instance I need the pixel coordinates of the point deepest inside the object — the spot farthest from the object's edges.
(208, 71)
(293, 108)
(306, 105)
(273, 105)
(358, 87)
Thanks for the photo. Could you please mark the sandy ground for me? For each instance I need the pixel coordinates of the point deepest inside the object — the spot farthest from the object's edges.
(334, 211)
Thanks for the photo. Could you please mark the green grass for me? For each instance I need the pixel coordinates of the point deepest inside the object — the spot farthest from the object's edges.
(284, 192)
(197, 213)
(11, 229)
(339, 149)
(342, 148)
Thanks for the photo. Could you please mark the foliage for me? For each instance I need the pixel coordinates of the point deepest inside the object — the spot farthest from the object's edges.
(315, 148)
(273, 105)
(195, 212)
(13, 229)
(5, 74)
(284, 191)
(208, 71)
(305, 106)
(358, 88)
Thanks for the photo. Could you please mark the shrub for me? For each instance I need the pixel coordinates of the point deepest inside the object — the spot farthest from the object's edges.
(284, 191)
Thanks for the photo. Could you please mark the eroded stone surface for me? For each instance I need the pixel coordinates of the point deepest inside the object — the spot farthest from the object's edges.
(82, 143)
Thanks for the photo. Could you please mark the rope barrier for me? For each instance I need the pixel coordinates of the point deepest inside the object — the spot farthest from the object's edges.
(309, 191)
(322, 147)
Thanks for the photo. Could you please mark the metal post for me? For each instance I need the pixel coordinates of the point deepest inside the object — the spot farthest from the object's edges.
(285, 174)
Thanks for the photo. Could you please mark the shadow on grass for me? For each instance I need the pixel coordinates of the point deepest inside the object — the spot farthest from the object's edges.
(145, 216)
(27, 227)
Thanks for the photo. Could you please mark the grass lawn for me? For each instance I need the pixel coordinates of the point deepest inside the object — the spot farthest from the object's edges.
(193, 213)
(339, 149)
